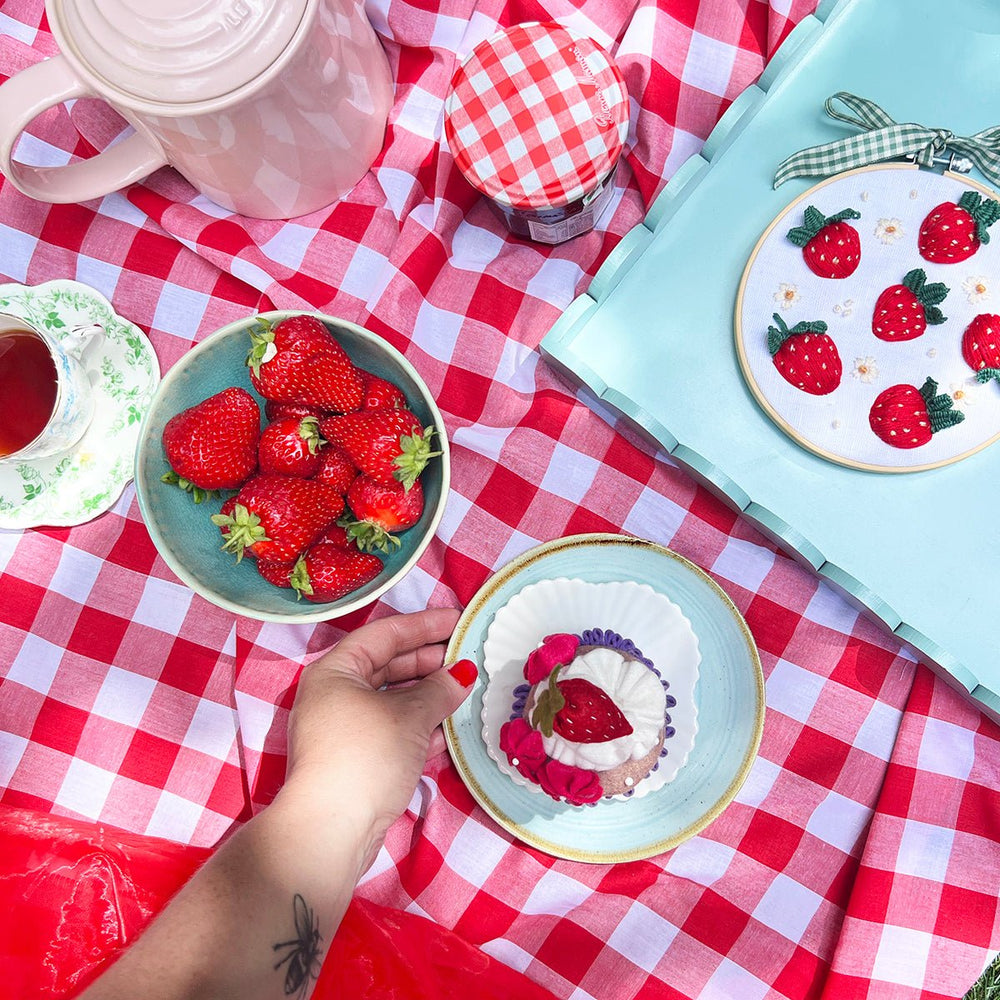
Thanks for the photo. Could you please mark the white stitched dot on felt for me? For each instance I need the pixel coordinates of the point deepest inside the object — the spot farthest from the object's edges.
(514, 761)
(629, 782)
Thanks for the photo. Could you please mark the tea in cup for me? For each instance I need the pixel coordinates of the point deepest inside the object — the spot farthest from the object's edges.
(46, 395)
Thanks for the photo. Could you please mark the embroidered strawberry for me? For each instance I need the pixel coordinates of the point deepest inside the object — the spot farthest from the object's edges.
(381, 511)
(388, 445)
(381, 394)
(981, 346)
(830, 246)
(299, 361)
(578, 711)
(290, 446)
(951, 233)
(276, 518)
(335, 468)
(805, 355)
(326, 572)
(907, 417)
(213, 444)
(903, 312)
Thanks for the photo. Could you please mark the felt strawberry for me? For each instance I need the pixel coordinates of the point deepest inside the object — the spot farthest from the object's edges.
(381, 511)
(335, 468)
(981, 346)
(388, 445)
(951, 233)
(831, 247)
(381, 394)
(903, 312)
(213, 444)
(805, 356)
(578, 711)
(326, 572)
(276, 518)
(299, 361)
(906, 417)
(290, 446)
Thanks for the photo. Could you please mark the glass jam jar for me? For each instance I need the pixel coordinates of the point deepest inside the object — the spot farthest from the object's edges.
(536, 119)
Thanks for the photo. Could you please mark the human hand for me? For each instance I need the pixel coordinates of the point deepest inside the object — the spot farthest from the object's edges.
(361, 748)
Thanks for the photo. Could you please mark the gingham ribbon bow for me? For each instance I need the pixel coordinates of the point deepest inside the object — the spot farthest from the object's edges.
(885, 139)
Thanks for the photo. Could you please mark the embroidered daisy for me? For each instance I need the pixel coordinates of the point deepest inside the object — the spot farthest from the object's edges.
(865, 370)
(787, 295)
(964, 393)
(889, 230)
(976, 288)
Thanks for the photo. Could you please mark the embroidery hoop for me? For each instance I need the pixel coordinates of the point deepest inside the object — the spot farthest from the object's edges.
(797, 413)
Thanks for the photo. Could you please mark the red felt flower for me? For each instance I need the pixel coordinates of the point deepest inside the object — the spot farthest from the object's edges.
(574, 784)
(523, 747)
(555, 650)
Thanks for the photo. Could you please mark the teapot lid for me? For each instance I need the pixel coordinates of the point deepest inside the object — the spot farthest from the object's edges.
(175, 51)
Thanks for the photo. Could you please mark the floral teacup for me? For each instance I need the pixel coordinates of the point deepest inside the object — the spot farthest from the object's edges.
(46, 394)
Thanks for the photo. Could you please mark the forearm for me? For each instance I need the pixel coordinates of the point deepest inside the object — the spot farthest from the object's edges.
(258, 918)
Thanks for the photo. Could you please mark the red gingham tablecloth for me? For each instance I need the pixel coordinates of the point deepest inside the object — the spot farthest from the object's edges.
(861, 857)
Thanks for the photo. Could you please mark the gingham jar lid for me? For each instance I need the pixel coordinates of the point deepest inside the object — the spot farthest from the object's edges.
(536, 116)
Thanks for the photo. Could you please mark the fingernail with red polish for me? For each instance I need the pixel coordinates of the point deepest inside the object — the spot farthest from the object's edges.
(465, 672)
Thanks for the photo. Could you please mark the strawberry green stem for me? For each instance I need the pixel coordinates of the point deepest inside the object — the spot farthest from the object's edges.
(414, 454)
(242, 529)
(369, 537)
(939, 407)
(984, 212)
(299, 579)
(550, 702)
(777, 335)
(260, 341)
(927, 295)
(813, 220)
(985, 375)
(198, 494)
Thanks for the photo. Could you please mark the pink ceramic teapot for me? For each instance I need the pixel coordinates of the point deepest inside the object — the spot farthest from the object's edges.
(271, 108)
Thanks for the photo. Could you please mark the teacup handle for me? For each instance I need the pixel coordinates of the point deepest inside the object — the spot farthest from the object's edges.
(84, 338)
(36, 89)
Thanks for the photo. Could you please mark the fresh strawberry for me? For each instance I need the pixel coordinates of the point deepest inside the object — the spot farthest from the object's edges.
(981, 346)
(213, 444)
(290, 447)
(326, 572)
(381, 394)
(335, 468)
(274, 410)
(578, 711)
(388, 445)
(906, 417)
(278, 573)
(831, 247)
(805, 356)
(336, 535)
(902, 312)
(277, 517)
(951, 233)
(381, 511)
(299, 361)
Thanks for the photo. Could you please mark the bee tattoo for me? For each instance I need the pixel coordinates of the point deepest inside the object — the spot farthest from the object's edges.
(304, 955)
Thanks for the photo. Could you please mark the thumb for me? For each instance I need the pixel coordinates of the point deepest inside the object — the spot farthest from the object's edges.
(439, 694)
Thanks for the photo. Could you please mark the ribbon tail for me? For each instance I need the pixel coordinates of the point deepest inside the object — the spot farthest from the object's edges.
(843, 154)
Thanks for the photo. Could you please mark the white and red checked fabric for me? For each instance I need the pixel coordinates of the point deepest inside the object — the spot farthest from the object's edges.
(536, 116)
(860, 858)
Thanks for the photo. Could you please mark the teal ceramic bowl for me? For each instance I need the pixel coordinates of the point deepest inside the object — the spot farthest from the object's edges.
(182, 530)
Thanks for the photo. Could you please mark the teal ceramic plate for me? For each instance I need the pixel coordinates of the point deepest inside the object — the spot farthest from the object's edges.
(729, 696)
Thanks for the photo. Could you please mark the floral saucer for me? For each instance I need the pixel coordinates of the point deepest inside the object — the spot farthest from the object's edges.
(74, 487)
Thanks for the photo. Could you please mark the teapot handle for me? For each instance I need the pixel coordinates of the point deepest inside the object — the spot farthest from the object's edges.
(44, 85)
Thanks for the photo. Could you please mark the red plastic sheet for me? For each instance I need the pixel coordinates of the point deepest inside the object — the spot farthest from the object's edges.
(73, 894)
